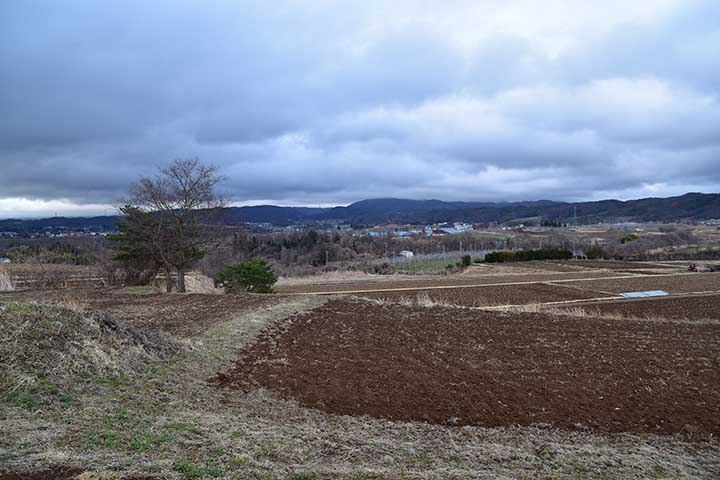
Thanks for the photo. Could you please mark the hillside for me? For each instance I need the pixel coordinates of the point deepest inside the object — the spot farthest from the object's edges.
(691, 206)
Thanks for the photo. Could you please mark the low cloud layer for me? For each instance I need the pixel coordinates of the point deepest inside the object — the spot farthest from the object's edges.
(333, 102)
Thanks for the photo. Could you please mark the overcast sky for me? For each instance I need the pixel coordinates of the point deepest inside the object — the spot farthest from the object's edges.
(329, 102)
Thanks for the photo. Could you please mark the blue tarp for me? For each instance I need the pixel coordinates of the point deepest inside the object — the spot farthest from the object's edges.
(648, 293)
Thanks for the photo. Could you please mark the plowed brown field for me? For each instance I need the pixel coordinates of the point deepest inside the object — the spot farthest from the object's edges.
(682, 283)
(461, 367)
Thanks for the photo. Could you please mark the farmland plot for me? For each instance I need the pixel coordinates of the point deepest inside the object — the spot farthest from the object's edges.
(391, 282)
(459, 367)
(693, 308)
(171, 420)
(488, 296)
(677, 283)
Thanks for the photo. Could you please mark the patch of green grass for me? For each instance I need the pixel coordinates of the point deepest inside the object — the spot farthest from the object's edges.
(112, 382)
(180, 427)
(39, 393)
(21, 309)
(434, 265)
(304, 476)
(190, 471)
(120, 419)
(24, 400)
(101, 438)
(147, 442)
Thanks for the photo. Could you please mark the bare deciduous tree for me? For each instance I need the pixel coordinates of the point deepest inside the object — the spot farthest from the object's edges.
(186, 207)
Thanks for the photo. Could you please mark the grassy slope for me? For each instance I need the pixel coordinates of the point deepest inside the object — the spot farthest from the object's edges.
(168, 421)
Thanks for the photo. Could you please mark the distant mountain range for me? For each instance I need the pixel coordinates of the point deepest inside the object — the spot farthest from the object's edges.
(691, 206)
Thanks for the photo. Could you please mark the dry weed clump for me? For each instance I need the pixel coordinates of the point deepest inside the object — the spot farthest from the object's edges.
(53, 344)
(421, 299)
(6, 282)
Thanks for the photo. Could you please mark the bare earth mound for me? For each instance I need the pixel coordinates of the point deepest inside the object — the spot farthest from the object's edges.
(449, 366)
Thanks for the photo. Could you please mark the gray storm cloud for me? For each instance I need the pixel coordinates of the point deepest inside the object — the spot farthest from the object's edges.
(333, 102)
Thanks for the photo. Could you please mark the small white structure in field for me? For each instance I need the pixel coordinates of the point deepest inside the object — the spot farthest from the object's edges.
(406, 253)
(5, 260)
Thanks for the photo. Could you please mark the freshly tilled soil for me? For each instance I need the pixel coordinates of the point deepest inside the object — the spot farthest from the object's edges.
(461, 367)
(684, 283)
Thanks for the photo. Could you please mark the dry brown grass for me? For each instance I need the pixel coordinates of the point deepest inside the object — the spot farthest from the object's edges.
(421, 299)
(587, 311)
(6, 282)
(57, 344)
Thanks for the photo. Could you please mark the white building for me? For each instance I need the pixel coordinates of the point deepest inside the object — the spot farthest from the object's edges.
(406, 253)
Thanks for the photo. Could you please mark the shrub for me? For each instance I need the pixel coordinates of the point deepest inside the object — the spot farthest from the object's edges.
(255, 276)
(629, 238)
(526, 255)
(595, 252)
(466, 260)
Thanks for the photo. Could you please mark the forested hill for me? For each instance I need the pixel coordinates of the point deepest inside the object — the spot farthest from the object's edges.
(691, 206)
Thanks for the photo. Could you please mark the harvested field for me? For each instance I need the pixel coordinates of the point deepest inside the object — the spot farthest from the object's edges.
(488, 296)
(552, 266)
(460, 367)
(438, 281)
(613, 264)
(677, 283)
(183, 315)
(699, 307)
